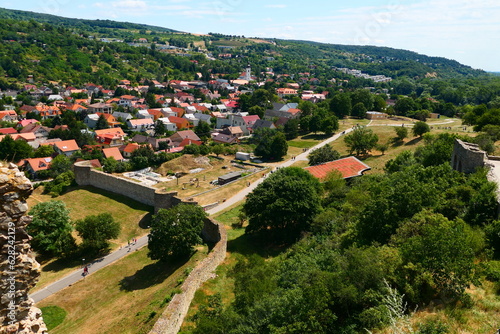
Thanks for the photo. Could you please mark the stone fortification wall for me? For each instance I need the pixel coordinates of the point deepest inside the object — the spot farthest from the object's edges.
(171, 320)
(85, 175)
(213, 232)
(467, 157)
(19, 270)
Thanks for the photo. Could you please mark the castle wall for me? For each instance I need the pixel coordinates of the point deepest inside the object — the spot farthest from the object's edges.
(467, 157)
(85, 175)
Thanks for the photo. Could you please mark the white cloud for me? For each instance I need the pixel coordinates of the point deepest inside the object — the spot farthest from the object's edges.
(130, 4)
(275, 6)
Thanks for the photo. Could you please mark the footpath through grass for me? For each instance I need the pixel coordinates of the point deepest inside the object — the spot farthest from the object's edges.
(127, 296)
(133, 217)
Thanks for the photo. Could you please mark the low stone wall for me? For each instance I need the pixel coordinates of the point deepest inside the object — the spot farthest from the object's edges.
(171, 320)
(85, 175)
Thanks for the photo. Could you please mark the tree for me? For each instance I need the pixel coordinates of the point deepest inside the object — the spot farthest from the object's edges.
(291, 129)
(379, 103)
(44, 151)
(174, 232)
(361, 140)
(322, 155)
(403, 159)
(419, 128)
(284, 204)
(329, 125)
(270, 144)
(341, 105)
(51, 228)
(437, 252)
(257, 110)
(160, 128)
(401, 132)
(382, 147)
(364, 97)
(142, 157)
(359, 110)
(404, 105)
(279, 146)
(203, 130)
(96, 231)
(218, 149)
(110, 165)
(60, 164)
(14, 150)
(102, 123)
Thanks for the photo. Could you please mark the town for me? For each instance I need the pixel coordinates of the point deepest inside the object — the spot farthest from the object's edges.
(158, 181)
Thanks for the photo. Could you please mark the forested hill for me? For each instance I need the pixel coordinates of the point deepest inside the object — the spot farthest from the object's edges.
(76, 23)
(70, 51)
(389, 61)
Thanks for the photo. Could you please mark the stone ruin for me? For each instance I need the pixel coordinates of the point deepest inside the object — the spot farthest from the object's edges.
(19, 270)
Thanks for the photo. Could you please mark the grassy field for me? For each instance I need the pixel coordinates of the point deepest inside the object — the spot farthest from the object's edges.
(133, 217)
(213, 168)
(127, 296)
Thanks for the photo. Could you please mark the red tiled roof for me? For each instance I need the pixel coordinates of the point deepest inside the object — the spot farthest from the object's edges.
(7, 131)
(112, 152)
(67, 145)
(38, 164)
(348, 167)
(188, 141)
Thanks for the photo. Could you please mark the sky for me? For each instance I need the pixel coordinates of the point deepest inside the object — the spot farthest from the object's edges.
(464, 30)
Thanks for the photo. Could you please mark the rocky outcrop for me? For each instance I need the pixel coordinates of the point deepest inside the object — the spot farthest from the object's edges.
(19, 270)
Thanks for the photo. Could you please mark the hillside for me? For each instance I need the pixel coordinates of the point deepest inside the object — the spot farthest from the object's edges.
(283, 56)
(76, 23)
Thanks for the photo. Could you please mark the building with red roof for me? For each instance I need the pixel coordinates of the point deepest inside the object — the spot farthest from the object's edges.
(7, 131)
(67, 147)
(349, 167)
(112, 152)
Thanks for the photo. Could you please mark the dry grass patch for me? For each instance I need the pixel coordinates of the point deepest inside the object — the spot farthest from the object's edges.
(127, 296)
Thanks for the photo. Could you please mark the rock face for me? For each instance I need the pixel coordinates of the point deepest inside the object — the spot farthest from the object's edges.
(19, 270)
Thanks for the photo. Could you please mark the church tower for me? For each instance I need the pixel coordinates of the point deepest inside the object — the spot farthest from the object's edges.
(248, 74)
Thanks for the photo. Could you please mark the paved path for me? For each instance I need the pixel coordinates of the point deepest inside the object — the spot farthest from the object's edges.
(93, 267)
(118, 254)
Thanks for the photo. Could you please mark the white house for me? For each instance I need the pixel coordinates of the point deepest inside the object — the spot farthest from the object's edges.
(140, 124)
(168, 125)
(91, 120)
(144, 114)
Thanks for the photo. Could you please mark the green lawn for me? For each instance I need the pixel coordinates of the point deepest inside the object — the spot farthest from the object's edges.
(133, 216)
(53, 316)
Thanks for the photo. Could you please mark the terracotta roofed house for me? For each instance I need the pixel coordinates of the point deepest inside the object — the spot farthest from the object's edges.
(66, 147)
(113, 152)
(349, 167)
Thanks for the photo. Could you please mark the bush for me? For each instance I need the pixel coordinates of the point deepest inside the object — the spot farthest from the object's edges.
(59, 185)
(433, 327)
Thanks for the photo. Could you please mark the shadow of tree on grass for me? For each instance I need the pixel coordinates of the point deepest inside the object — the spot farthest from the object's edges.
(414, 141)
(152, 274)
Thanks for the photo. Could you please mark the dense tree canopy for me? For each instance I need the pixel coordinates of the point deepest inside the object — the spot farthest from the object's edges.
(174, 232)
(284, 204)
(97, 230)
(323, 154)
(361, 140)
(51, 228)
